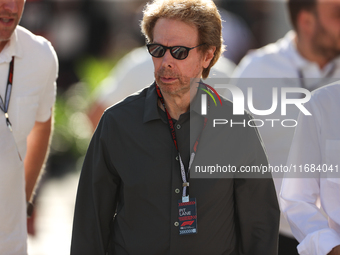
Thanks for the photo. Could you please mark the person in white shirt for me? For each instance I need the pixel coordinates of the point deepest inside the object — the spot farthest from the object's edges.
(316, 141)
(28, 71)
(310, 51)
(134, 72)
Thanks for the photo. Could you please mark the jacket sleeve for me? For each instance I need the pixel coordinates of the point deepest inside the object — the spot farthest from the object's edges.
(256, 206)
(96, 197)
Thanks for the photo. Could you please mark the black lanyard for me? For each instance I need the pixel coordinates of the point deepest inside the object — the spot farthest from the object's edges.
(4, 105)
(184, 174)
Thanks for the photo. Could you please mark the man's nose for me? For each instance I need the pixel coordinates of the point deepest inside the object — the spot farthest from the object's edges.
(167, 59)
(9, 5)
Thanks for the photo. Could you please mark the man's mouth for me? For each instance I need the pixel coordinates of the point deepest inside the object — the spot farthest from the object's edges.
(6, 21)
(168, 79)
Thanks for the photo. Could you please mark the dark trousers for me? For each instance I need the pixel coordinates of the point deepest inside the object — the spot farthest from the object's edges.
(287, 245)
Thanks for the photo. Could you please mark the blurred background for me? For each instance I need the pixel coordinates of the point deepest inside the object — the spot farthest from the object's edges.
(90, 37)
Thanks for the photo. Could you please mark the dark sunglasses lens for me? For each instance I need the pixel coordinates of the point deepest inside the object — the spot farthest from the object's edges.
(156, 50)
(179, 52)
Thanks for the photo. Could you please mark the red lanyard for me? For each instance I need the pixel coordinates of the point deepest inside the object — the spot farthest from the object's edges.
(184, 174)
(4, 105)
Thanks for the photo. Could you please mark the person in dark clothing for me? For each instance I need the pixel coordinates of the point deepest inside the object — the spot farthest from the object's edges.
(133, 194)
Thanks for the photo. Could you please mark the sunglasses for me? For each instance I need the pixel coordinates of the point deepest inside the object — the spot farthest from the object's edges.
(178, 52)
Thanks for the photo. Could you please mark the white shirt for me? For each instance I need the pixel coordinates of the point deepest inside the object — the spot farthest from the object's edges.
(33, 95)
(135, 71)
(316, 141)
(281, 62)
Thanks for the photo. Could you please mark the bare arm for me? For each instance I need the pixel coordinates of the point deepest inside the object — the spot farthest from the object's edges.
(37, 148)
(335, 251)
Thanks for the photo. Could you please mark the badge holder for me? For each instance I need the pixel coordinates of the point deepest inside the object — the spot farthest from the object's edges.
(187, 216)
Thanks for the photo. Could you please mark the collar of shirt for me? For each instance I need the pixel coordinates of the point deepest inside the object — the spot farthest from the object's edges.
(309, 69)
(195, 105)
(151, 107)
(12, 48)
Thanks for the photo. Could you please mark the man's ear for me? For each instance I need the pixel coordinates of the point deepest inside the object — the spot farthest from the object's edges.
(208, 56)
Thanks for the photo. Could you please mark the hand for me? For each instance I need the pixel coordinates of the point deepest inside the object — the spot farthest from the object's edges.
(335, 251)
